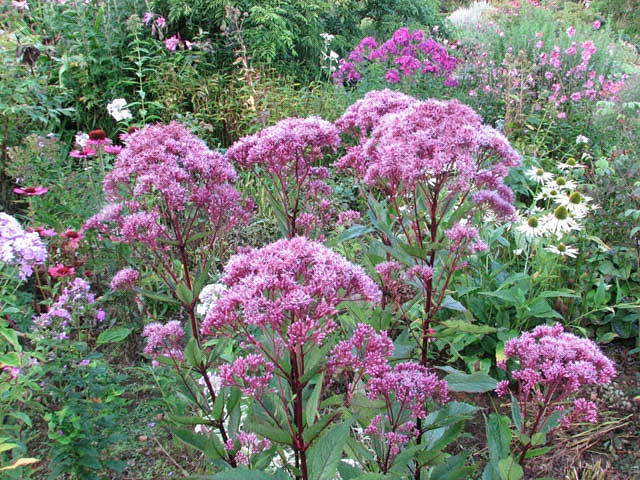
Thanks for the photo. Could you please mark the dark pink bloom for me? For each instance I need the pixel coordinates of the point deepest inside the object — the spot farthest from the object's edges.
(31, 191)
(112, 149)
(84, 152)
(61, 271)
(72, 237)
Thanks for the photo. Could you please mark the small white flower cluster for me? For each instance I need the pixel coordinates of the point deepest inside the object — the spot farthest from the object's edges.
(329, 57)
(118, 110)
(209, 296)
(558, 207)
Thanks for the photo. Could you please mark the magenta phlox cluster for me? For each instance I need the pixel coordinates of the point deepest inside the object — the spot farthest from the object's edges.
(290, 288)
(553, 365)
(20, 248)
(289, 154)
(164, 176)
(76, 304)
(406, 54)
(164, 340)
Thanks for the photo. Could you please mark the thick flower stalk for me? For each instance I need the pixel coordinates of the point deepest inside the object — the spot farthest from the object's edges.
(428, 162)
(287, 156)
(171, 197)
(280, 304)
(406, 389)
(553, 366)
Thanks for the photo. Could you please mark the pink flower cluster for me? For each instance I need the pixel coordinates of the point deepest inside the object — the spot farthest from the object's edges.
(20, 248)
(125, 279)
(164, 340)
(245, 445)
(540, 77)
(289, 289)
(442, 144)
(407, 53)
(405, 388)
(163, 183)
(289, 153)
(553, 365)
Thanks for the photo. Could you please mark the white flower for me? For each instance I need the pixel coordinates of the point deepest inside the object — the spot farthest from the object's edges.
(538, 175)
(209, 296)
(563, 250)
(560, 222)
(576, 203)
(81, 139)
(561, 184)
(582, 139)
(531, 227)
(570, 164)
(117, 109)
(327, 37)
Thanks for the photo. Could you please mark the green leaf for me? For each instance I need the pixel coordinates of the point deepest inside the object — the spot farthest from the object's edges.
(113, 335)
(454, 468)
(325, 454)
(498, 436)
(312, 404)
(184, 293)
(463, 326)
(355, 231)
(476, 382)
(452, 304)
(538, 438)
(205, 444)
(516, 414)
(510, 469)
(536, 452)
(11, 336)
(192, 353)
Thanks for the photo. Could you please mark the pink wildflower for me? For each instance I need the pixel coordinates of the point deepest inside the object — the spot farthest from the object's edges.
(61, 271)
(125, 279)
(31, 191)
(251, 374)
(84, 152)
(571, 31)
(172, 43)
(164, 340)
(596, 24)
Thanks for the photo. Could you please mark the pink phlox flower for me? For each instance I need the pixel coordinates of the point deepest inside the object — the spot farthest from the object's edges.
(571, 50)
(19, 248)
(596, 24)
(392, 76)
(172, 42)
(251, 374)
(348, 217)
(571, 31)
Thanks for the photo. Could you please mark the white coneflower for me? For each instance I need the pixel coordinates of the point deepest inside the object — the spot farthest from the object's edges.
(582, 139)
(570, 164)
(531, 227)
(547, 193)
(562, 184)
(539, 175)
(563, 250)
(576, 203)
(560, 222)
